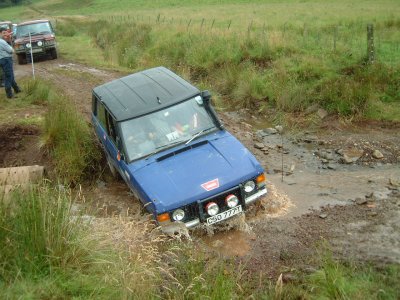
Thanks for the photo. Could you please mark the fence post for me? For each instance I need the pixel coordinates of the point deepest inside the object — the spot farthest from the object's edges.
(230, 22)
(202, 23)
(190, 21)
(212, 25)
(371, 46)
(158, 18)
(335, 34)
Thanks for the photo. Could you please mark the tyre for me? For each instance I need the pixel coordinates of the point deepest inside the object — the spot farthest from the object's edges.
(53, 53)
(21, 59)
(113, 170)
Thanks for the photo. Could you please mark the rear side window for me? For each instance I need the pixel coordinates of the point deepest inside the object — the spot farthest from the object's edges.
(101, 114)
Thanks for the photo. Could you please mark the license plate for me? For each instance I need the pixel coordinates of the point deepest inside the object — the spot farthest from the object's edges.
(224, 215)
(38, 50)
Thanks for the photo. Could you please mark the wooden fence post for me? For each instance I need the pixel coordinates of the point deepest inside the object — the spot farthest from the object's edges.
(335, 34)
(371, 46)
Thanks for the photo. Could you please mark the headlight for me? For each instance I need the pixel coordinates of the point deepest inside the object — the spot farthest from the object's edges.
(249, 186)
(212, 208)
(28, 45)
(178, 215)
(40, 43)
(231, 200)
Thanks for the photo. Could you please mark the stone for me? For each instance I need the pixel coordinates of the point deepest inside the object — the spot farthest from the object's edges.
(270, 130)
(323, 216)
(331, 167)
(377, 154)
(322, 113)
(380, 195)
(340, 151)
(289, 277)
(361, 201)
(259, 145)
(346, 160)
(311, 109)
(354, 154)
(100, 184)
(394, 182)
(279, 128)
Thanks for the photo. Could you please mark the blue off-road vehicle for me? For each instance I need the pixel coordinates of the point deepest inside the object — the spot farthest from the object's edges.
(161, 134)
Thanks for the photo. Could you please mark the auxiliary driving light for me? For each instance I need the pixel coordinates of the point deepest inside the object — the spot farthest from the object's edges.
(39, 43)
(212, 208)
(178, 215)
(28, 45)
(249, 186)
(231, 200)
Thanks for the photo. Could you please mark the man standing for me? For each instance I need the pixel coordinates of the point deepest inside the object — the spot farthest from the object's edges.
(6, 63)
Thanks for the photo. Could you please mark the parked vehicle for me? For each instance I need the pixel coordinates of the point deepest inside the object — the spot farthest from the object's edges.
(37, 36)
(163, 137)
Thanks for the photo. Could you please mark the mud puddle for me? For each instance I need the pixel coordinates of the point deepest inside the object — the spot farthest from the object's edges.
(19, 146)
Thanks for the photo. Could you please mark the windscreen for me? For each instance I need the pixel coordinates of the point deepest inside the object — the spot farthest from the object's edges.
(33, 29)
(162, 129)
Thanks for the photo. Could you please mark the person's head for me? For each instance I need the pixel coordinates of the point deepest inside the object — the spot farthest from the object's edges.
(3, 32)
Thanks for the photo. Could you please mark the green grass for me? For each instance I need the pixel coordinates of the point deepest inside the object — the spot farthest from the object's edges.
(287, 55)
(70, 141)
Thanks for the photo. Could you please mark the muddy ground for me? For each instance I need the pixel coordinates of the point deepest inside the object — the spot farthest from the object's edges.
(337, 184)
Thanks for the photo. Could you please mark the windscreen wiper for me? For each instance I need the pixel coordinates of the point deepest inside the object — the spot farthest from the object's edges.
(197, 134)
(162, 147)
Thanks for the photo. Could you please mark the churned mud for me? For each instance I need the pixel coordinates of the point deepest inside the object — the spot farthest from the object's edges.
(337, 185)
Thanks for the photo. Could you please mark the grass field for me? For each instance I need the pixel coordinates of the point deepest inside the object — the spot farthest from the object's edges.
(276, 58)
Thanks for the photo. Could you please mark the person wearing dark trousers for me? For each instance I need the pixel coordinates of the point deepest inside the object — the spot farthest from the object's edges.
(6, 63)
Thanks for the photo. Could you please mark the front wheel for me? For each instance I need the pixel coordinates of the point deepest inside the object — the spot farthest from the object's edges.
(53, 53)
(21, 59)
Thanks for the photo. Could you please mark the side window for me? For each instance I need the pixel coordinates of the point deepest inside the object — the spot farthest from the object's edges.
(101, 114)
(111, 126)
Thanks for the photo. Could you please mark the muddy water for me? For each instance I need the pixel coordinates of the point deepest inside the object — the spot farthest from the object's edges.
(229, 243)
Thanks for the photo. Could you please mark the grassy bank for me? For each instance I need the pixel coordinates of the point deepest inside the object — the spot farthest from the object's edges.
(50, 250)
(269, 57)
(287, 69)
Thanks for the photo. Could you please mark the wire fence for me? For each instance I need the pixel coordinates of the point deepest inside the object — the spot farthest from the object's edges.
(328, 39)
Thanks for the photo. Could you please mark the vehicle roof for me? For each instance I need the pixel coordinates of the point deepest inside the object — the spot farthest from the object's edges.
(144, 92)
(32, 22)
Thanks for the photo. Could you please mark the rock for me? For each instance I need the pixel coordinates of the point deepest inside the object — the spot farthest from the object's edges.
(331, 167)
(361, 201)
(380, 195)
(394, 182)
(354, 154)
(324, 161)
(279, 128)
(310, 139)
(323, 216)
(340, 151)
(311, 109)
(373, 213)
(377, 154)
(346, 160)
(261, 133)
(270, 130)
(259, 145)
(329, 156)
(100, 184)
(323, 194)
(309, 270)
(217, 244)
(289, 277)
(322, 113)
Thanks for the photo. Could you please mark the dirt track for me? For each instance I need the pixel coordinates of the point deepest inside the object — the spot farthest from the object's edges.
(333, 188)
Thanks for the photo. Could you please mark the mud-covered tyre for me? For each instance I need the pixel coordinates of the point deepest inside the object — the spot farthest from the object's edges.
(53, 54)
(21, 59)
(113, 170)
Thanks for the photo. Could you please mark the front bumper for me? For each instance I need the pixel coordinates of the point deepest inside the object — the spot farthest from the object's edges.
(247, 201)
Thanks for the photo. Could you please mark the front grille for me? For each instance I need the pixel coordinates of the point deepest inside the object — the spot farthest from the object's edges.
(220, 200)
